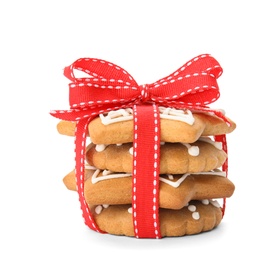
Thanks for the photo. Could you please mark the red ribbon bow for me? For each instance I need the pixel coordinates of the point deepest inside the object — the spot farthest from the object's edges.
(109, 87)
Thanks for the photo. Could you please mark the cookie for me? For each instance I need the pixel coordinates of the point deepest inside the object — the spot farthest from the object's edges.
(194, 218)
(175, 158)
(66, 128)
(104, 187)
(173, 126)
(69, 179)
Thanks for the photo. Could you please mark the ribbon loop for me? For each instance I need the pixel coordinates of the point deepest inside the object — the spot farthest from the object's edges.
(98, 69)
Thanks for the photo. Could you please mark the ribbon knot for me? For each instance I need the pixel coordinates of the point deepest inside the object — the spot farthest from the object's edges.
(145, 93)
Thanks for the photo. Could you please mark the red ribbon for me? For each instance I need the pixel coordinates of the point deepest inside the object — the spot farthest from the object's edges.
(145, 175)
(109, 87)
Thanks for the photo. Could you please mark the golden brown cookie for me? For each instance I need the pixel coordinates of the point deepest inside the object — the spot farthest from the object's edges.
(69, 179)
(66, 128)
(175, 190)
(175, 158)
(196, 217)
(171, 130)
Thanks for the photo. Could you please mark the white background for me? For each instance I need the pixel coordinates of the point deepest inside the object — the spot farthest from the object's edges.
(39, 217)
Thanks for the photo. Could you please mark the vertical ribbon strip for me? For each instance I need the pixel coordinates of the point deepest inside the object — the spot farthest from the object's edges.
(223, 140)
(146, 169)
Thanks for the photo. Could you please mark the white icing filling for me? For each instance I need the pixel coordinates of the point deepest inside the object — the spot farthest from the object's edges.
(177, 183)
(215, 172)
(100, 147)
(205, 201)
(106, 172)
(217, 145)
(174, 184)
(89, 167)
(126, 114)
(96, 179)
(191, 208)
(192, 150)
(106, 175)
(176, 114)
(98, 209)
(116, 116)
(195, 215)
(215, 203)
(170, 176)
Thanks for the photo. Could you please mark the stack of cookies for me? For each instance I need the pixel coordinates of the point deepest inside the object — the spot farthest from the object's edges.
(191, 176)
